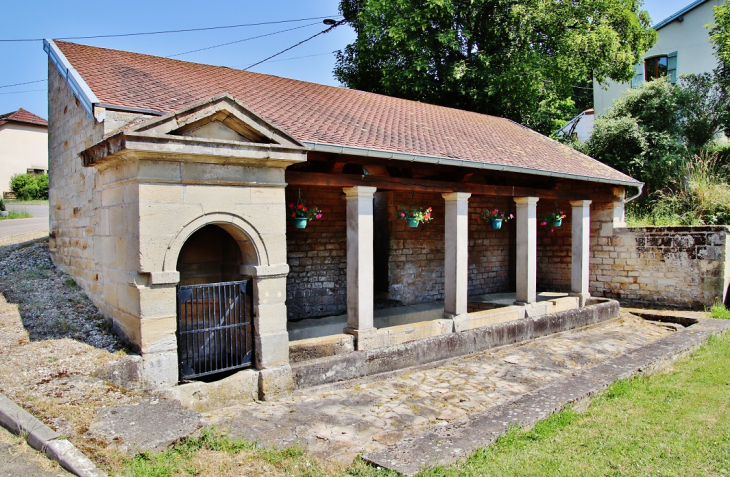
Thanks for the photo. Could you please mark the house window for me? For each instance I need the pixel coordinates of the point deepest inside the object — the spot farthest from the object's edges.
(655, 67)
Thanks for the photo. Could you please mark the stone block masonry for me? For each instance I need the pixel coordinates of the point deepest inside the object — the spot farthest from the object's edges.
(682, 267)
(317, 256)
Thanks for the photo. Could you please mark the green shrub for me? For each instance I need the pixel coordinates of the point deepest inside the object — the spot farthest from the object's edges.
(29, 186)
(700, 196)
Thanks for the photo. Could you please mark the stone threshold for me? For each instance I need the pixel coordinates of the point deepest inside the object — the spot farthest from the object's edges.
(479, 336)
(448, 444)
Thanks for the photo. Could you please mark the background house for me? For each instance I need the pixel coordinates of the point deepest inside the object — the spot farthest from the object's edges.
(683, 47)
(23, 145)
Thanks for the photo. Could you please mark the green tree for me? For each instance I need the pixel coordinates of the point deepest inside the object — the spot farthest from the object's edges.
(650, 131)
(720, 33)
(519, 59)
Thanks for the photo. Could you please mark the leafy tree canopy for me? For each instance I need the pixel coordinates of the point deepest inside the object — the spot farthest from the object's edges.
(518, 59)
(652, 130)
(720, 33)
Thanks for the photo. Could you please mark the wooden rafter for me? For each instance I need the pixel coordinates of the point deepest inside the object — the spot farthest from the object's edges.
(423, 185)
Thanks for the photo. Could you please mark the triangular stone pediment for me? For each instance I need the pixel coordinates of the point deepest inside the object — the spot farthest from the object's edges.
(220, 118)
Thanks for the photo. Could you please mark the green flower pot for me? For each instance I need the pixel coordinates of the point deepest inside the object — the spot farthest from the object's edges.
(412, 221)
(557, 223)
(496, 224)
(300, 222)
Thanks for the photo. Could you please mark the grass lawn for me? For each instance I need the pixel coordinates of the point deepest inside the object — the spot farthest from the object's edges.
(25, 202)
(673, 423)
(16, 215)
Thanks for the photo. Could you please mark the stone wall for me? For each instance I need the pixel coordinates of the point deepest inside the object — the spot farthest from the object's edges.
(553, 248)
(81, 207)
(317, 256)
(491, 252)
(683, 267)
(416, 262)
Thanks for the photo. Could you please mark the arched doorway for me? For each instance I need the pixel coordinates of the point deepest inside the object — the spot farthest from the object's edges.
(214, 304)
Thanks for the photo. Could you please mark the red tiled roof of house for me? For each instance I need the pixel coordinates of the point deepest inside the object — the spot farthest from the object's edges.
(325, 114)
(22, 116)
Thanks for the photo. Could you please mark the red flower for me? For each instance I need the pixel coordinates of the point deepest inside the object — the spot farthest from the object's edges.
(305, 209)
(291, 206)
(293, 214)
(299, 206)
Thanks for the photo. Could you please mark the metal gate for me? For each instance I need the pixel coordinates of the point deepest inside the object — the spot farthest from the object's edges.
(214, 328)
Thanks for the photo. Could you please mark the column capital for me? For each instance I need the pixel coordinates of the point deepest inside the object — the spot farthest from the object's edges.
(360, 192)
(265, 271)
(456, 196)
(580, 203)
(526, 200)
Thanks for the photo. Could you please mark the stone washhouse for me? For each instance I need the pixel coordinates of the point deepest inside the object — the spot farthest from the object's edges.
(170, 187)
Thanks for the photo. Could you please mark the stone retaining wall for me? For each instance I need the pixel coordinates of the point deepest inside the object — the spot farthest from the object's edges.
(682, 267)
(356, 364)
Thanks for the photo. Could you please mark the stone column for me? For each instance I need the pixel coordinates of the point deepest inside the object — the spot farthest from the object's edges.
(526, 220)
(271, 339)
(457, 253)
(581, 240)
(360, 292)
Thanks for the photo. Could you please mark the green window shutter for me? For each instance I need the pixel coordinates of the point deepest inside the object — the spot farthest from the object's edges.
(638, 75)
(672, 67)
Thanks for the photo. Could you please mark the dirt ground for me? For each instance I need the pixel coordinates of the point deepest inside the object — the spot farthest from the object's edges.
(51, 354)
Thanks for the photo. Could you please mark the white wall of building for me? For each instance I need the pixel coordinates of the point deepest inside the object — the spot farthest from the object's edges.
(22, 147)
(689, 38)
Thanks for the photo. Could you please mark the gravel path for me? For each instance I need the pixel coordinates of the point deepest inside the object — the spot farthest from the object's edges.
(51, 305)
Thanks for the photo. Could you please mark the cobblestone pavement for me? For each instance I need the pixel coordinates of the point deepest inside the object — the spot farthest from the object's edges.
(369, 414)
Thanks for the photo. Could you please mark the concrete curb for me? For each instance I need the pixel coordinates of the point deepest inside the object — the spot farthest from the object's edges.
(447, 444)
(46, 440)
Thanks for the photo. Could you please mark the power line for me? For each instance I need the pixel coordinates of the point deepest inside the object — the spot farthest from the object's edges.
(292, 58)
(171, 31)
(26, 91)
(298, 57)
(18, 84)
(240, 41)
(294, 46)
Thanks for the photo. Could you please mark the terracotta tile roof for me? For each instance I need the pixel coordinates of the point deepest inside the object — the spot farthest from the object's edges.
(22, 116)
(325, 114)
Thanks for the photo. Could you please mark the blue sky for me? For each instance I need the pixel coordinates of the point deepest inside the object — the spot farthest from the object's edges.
(312, 61)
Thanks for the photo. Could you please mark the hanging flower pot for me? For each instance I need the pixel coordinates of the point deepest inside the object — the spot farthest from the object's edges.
(301, 214)
(554, 219)
(495, 218)
(300, 222)
(415, 215)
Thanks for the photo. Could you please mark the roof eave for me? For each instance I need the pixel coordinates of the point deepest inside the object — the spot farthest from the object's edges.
(400, 156)
(80, 89)
(678, 14)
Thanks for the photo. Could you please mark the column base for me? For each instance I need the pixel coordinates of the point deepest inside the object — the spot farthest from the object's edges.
(582, 297)
(370, 338)
(275, 383)
(533, 309)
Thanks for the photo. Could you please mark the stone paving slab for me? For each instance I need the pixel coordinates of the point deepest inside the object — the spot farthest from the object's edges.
(151, 424)
(447, 444)
(340, 421)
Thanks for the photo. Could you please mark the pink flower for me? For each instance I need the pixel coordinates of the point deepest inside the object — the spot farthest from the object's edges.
(402, 214)
(552, 230)
(319, 216)
(543, 223)
(511, 216)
